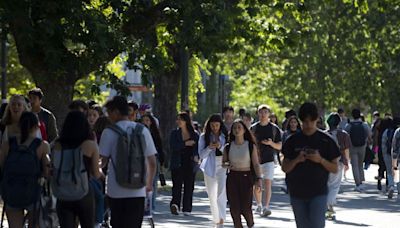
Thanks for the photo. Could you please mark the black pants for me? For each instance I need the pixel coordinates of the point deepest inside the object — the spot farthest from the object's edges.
(69, 211)
(183, 176)
(381, 164)
(126, 212)
(239, 190)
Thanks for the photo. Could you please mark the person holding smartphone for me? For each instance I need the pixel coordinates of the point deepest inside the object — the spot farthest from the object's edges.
(211, 144)
(241, 157)
(183, 164)
(309, 157)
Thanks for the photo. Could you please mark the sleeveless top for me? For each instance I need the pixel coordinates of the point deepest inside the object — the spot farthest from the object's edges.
(239, 156)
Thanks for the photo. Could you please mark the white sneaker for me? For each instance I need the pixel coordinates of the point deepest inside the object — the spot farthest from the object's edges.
(358, 189)
(258, 210)
(266, 212)
(186, 213)
(219, 226)
(362, 186)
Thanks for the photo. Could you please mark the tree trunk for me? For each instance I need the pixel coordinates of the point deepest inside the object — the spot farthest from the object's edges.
(394, 99)
(58, 94)
(166, 89)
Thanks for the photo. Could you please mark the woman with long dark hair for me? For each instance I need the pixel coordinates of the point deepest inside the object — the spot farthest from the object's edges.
(183, 163)
(211, 145)
(241, 157)
(150, 122)
(28, 124)
(76, 133)
(292, 127)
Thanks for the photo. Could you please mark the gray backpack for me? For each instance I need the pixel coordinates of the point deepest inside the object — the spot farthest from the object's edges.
(70, 178)
(129, 163)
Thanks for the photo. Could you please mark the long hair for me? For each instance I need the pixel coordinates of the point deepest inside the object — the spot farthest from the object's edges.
(387, 123)
(290, 119)
(185, 117)
(276, 118)
(214, 118)
(248, 135)
(7, 116)
(75, 130)
(101, 123)
(27, 122)
(154, 131)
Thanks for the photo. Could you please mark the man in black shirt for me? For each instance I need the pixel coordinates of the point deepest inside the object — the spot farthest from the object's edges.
(269, 142)
(310, 156)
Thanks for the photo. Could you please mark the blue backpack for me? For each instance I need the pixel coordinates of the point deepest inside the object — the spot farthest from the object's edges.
(21, 172)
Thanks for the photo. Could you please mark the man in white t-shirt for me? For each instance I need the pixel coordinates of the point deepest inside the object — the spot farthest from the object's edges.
(127, 205)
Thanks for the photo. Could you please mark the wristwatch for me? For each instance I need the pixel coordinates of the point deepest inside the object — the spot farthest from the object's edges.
(395, 168)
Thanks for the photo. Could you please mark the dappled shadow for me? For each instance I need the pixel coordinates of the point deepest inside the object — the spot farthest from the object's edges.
(339, 222)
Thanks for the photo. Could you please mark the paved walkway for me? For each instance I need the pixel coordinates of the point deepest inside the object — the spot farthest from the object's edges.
(369, 209)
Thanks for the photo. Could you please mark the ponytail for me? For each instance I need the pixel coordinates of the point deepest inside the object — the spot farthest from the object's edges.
(27, 122)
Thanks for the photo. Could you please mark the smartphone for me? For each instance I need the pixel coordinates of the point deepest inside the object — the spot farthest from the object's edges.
(309, 151)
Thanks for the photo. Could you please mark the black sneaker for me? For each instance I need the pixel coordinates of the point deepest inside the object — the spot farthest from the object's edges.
(379, 186)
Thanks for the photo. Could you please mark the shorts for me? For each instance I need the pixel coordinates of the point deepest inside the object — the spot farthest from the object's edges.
(267, 170)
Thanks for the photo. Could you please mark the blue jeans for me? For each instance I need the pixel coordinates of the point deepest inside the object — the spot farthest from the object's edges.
(155, 187)
(309, 213)
(98, 199)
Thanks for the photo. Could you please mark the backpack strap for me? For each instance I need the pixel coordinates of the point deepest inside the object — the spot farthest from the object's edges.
(60, 167)
(136, 134)
(12, 141)
(117, 129)
(35, 144)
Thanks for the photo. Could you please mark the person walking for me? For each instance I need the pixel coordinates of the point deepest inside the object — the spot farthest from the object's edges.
(46, 118)
(211, 145)
(360, 134)
(343, 141)
(22, 172)
(269, 143)
(149, 121)
(241, 157)
(126, 191)
(74, 145)
(183, 164)
(309, 157)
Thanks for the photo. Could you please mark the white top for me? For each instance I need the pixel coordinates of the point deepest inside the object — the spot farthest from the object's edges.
(209, 162)
(108, 148)
(239, 156)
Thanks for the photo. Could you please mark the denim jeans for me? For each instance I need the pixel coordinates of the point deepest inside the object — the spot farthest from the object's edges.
(309, 213)
(98, 199)
(388, 163)
(155, 187)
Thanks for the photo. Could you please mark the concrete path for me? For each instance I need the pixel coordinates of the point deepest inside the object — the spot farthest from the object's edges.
(369, 209)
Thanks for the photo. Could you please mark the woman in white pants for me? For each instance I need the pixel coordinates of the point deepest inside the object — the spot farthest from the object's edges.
(343, 141)
(211, 144)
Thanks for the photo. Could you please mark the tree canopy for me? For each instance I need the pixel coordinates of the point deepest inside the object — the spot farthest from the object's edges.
(336, 53)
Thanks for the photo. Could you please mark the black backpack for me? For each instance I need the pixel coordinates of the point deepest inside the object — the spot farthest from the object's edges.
(21, 173)
(357, 134)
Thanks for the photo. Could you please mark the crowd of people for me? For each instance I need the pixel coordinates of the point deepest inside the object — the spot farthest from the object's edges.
(108, 158)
